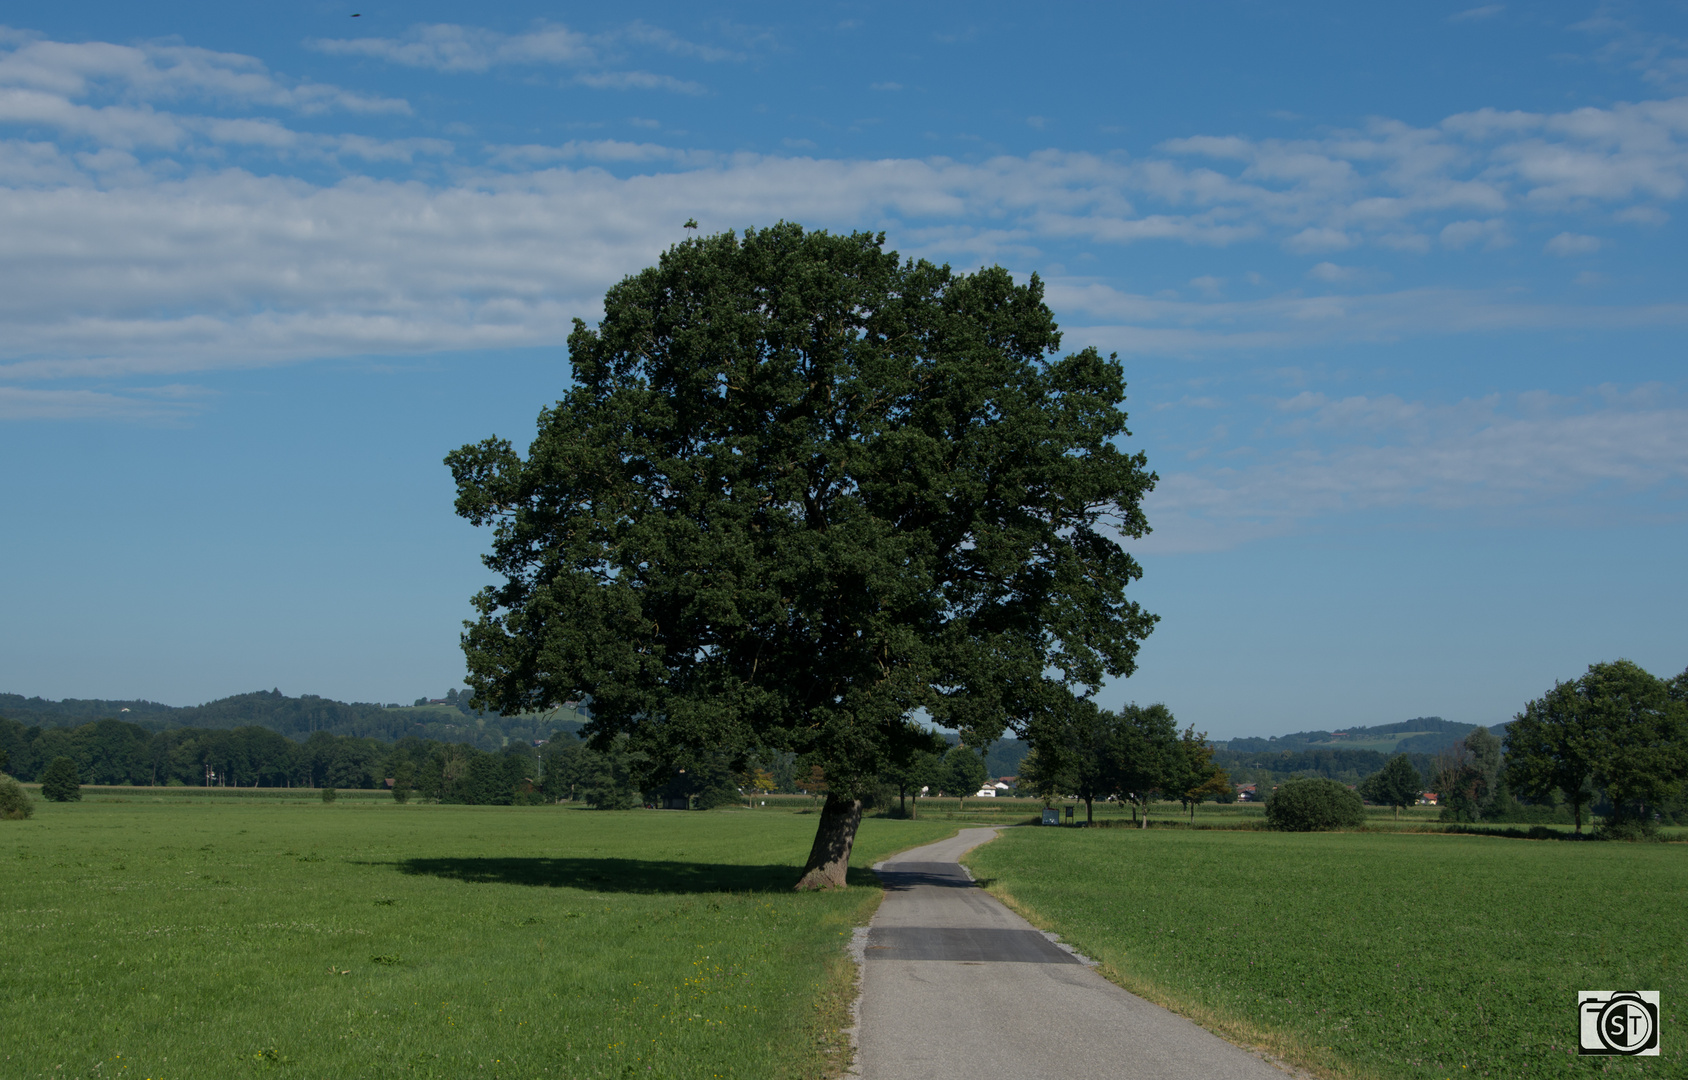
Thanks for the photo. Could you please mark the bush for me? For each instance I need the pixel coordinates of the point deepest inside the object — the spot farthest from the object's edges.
(1309, 805)
(15, 803)
(329, 794)
(1627, 829)
(61, 783)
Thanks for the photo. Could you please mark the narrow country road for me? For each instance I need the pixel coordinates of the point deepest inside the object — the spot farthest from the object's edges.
(957, 987)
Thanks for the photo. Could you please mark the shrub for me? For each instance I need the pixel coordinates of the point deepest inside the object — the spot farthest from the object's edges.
(15, 803)
(1308, 805)
(1629, 829)
(329, 794)
(61, 783)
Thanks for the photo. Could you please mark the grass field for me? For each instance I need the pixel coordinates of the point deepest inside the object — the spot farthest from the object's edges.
(173, 936)
(1381, 955)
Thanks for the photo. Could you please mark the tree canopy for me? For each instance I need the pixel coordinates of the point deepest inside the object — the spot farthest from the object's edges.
(60, 783)
(798, 489)
(1397, 784)
(1195, 776)
(1617, 730)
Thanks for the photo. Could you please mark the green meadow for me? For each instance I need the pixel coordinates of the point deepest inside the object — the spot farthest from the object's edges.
(1388, 955)
(166, 936)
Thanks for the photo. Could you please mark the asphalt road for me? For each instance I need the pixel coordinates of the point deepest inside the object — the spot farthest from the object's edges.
(957, 987)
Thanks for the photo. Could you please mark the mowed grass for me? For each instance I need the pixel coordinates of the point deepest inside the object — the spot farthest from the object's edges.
(167, 940)
(1369, 954)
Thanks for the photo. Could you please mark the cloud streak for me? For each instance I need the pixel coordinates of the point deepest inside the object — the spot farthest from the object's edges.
(232, 268)
(456, 49)
(1508, 459)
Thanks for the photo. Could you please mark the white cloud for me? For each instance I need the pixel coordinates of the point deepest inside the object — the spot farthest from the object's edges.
(1567, 244)
(643, 33)
(1661, 59)
(1458, 235)
(1135, 323)
(273, 268)
(637, 80)
(1331, 272)
(450, 47)
(135, 246)
(1641, 215)
(162, 404)
(1515, 458)
(1476, 14)
(158, 73)
(454, 48)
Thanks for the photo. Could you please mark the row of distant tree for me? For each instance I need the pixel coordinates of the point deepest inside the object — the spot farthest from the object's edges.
(561, 769)
(1614, 741)
(446, 719)
(1423, 735)
(1135, 755)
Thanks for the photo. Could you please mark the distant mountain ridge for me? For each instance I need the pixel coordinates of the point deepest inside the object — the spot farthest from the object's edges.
(1421, 735)
(298, 717)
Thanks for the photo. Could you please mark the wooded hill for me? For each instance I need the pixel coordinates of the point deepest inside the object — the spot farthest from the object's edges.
(300, 717)
(1348, 754)
(1423, 735)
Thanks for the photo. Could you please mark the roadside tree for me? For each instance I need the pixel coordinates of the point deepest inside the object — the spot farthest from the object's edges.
(799, 489)
(1040, 774)
(1074, 753)
(1145, 758)
(920, 771)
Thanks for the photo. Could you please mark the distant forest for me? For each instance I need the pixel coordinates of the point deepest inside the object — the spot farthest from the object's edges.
(447, 720)
(1348, 754)
(443, 720)
(1424, 735)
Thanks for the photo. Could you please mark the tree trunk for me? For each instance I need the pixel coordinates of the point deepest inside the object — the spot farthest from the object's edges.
(829, 859)
(1145, 823)
(1089, 815)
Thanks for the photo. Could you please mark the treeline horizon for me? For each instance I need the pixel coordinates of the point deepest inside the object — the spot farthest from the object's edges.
(452, 720)
(562, 768)
(1249, 759)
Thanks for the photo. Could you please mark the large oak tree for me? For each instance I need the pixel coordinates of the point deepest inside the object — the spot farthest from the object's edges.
(799, 489)
(1617, 730)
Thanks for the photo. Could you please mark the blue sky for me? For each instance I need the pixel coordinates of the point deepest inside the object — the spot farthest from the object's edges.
(1399, 291)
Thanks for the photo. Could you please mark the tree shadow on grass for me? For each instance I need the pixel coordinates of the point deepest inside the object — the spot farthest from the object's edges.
(618, 875)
